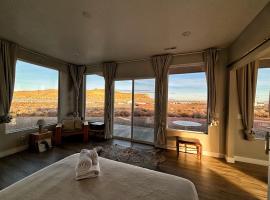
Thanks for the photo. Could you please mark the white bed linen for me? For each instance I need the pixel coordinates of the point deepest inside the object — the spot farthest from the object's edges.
(117, 181)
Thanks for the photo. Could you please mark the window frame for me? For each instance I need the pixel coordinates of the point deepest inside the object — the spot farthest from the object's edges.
(131, 139)
(187, 69)
(260, 67)
(50, 125)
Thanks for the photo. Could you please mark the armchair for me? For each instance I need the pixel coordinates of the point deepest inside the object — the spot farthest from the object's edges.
(70, 127)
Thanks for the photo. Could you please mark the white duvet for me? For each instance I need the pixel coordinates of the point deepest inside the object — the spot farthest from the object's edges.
(117, 181)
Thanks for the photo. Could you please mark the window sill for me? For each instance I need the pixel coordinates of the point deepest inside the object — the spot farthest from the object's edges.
(260, 139)
(187, 131)
(28, 130)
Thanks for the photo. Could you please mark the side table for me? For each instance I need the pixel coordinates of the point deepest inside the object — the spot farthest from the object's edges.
(36, 138)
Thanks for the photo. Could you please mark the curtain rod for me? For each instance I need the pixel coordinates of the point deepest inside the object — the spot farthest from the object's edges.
(147, 59)
(249, 52)
(120, 61)
(43, 55)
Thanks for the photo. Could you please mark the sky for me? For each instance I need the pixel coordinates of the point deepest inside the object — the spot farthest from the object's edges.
(34, 77)
(187, 87)
(184, 87)
(140, 86)
(263, 85)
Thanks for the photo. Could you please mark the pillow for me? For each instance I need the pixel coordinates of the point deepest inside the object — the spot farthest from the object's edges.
(78, 124)
(68, 124)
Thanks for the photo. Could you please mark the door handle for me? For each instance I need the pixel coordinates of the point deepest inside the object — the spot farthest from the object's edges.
(267, 137)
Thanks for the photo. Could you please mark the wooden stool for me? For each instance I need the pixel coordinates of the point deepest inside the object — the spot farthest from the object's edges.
(189, 141)
(35, 138)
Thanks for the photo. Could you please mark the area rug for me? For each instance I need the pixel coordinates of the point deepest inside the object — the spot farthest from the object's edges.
(141, 157)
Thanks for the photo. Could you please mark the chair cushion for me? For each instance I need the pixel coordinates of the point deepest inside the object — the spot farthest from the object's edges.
(68, 124)
(78, 124)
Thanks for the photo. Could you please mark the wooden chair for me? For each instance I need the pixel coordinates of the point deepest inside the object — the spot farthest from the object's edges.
(71, 127)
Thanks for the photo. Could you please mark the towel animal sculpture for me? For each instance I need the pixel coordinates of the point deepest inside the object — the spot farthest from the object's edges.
(87, 165)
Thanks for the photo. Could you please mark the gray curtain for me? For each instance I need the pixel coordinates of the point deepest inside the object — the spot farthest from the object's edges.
(76, 73)
(161, 65)
(210, 59)
(246, 78)
(109, 73)
(8, 57)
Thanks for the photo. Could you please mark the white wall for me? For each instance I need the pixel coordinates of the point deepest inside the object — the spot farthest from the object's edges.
(254, 33)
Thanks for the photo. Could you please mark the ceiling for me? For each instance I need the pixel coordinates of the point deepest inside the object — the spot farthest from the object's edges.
(92, 31)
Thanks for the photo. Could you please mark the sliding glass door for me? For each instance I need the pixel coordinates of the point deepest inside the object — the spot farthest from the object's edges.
(143, 115)
(134, 110)
(122, 109)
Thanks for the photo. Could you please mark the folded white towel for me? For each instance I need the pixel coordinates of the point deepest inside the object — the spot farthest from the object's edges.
(87, 165)
(84, 162)
(93, 172)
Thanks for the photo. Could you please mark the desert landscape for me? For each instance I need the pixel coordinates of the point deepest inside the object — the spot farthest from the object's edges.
(29, 106)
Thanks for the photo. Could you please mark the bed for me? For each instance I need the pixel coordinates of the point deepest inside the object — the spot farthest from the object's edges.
(117, 181)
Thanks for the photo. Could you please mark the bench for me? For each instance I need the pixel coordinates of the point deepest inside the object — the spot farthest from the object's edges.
(189, 141)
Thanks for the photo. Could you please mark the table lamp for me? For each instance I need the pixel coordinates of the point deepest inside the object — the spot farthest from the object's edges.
(40, 123)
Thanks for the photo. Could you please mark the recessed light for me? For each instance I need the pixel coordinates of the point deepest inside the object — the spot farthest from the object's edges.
(86, 14)
(186, 33)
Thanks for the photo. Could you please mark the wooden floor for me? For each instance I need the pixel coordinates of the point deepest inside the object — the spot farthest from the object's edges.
(214, 178)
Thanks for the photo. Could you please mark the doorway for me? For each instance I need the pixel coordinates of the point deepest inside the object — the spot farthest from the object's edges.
(134, 102)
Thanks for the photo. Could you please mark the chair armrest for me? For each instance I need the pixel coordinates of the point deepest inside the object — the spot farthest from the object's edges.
(85, 130)
(59, 125)
(58, 134)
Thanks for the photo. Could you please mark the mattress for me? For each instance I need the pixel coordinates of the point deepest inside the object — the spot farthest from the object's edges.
(117, 181)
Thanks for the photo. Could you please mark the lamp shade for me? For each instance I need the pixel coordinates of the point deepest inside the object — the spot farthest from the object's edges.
(41, 122)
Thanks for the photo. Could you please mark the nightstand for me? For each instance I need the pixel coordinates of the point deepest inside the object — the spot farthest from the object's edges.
(35, 139)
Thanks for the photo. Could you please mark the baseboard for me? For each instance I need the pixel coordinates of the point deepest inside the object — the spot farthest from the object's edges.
(251, 160)
(213, 154)
(13, 150)
(230, 159)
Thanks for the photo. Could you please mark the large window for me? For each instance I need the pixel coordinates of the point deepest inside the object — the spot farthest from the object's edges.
(187, 102)
(262, 100)
(134, 109)
(95, 91)
(35, 96)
